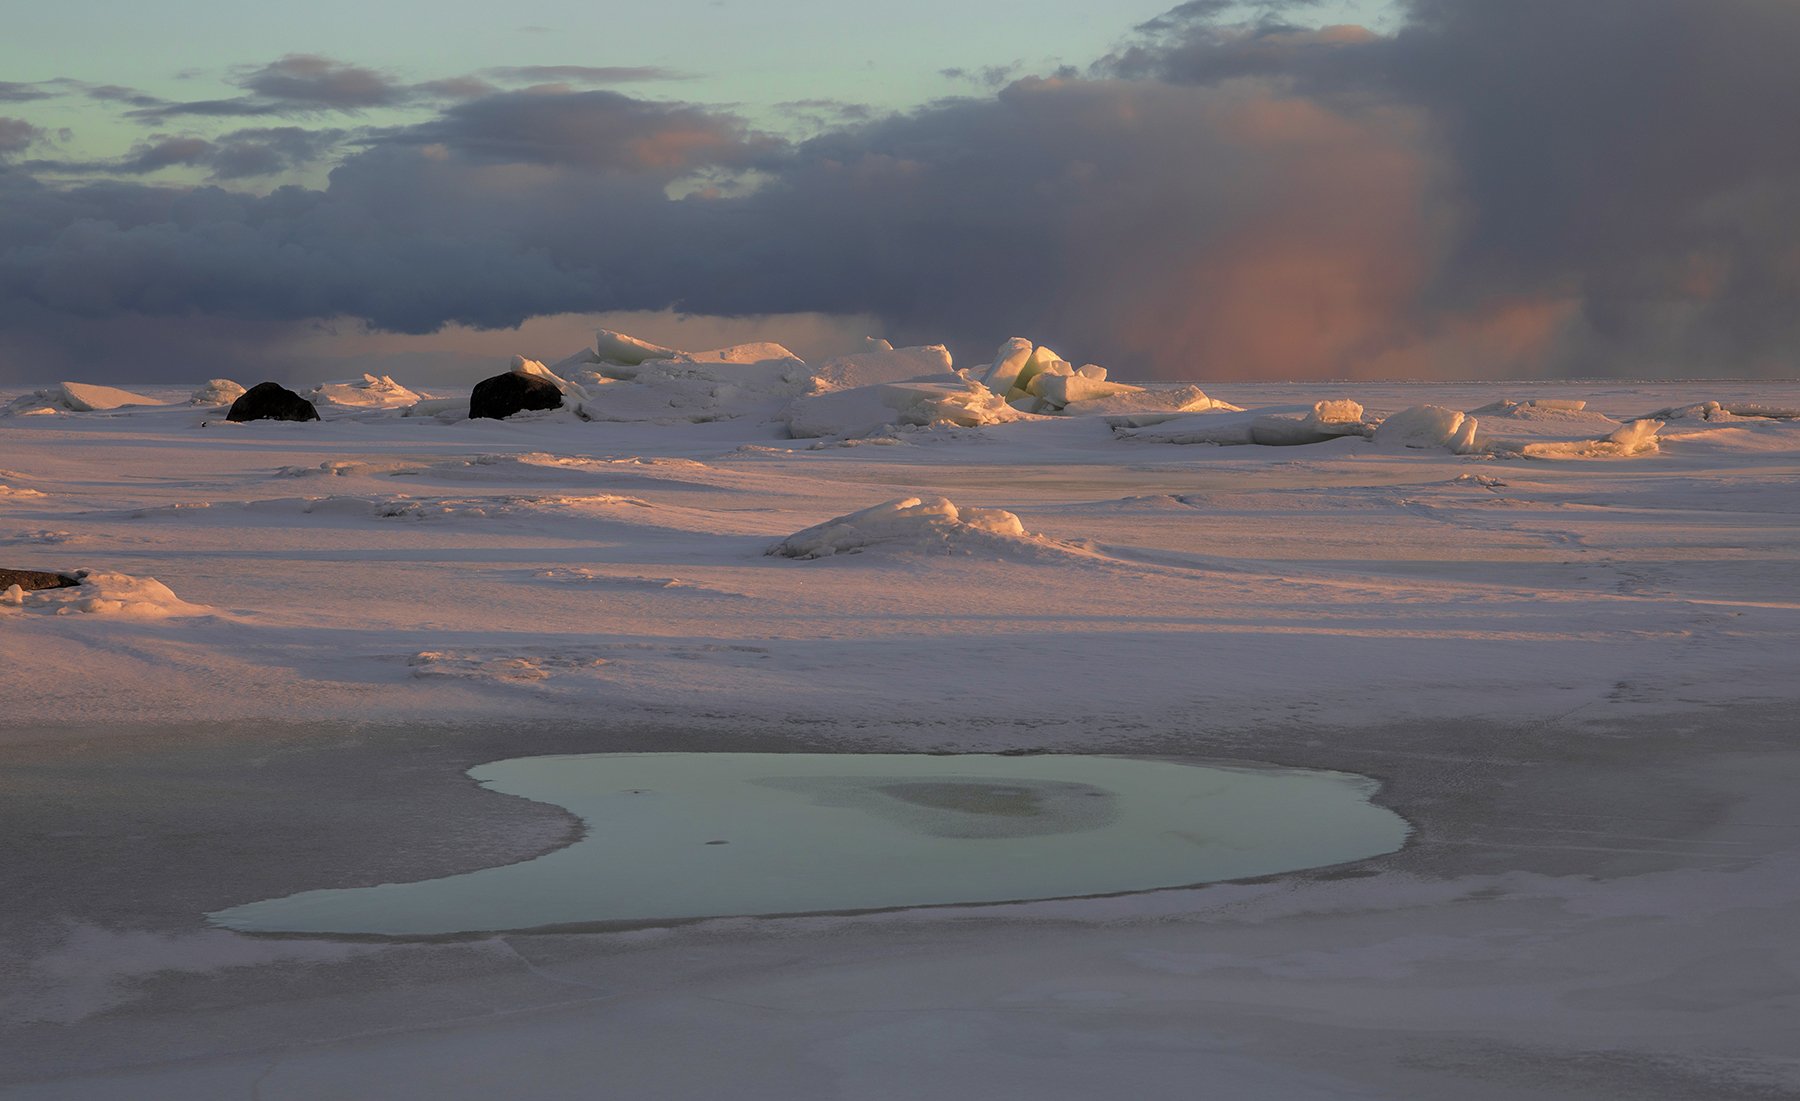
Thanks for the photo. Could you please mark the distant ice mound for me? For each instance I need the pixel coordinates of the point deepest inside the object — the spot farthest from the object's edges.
(864, 410)
(1226, 426)
(217, 391)
(367, 392)
(1628, 440)
(1727, 411)
(929, 525)
(76, 397)
(103, 593)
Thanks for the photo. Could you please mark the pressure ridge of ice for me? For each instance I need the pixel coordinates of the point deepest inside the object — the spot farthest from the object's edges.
(881, 392)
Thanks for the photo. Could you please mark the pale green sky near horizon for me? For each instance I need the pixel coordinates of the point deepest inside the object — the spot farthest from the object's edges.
(742, 53)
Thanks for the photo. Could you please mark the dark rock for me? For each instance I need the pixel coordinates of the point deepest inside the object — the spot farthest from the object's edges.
(31, 580)
(503, 395)
(267, 401)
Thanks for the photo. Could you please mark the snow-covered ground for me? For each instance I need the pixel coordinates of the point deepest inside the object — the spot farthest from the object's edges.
(1563, 636)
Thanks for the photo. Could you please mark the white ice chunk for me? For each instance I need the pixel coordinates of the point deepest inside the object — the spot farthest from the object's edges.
(1039, 359)
(1336, 411)
(1008, 361)
(1059, 385)
(1428, 426)
(930, 524)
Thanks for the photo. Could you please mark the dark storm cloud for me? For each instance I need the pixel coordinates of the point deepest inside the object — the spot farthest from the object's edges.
(587, 130)
(1635, 153)
(239, 154)
(268, 151)
(1499, 188)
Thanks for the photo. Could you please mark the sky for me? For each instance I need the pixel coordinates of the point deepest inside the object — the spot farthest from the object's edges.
(1219, 190)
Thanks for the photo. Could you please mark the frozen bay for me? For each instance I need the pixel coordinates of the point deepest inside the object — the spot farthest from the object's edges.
(1575, 677)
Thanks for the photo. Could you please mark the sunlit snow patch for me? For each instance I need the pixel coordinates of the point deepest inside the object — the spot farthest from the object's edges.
(673, 836)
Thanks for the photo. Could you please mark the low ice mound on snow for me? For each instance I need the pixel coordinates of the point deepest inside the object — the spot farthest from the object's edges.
(1428, 426)
(1226, 426)
(103, 593)
(929, 524)
(1725, 411)
(368, 392)
(1635, 438)
(77, 397)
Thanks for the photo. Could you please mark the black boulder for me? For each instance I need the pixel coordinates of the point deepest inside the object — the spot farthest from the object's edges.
(267, 401)
(503, 395)
(31, 580)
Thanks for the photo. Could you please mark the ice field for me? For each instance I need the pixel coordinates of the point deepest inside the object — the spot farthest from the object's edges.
(1558, 622)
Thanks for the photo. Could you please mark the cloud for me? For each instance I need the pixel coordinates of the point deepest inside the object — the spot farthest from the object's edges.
(584, 74)
(298, 84)
(15, 92)
(589, 130)
(236, 155)
(1491, 190)
(17, 135)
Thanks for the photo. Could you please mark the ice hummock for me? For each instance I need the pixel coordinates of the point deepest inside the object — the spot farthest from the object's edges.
(77, 397)
(926, 524)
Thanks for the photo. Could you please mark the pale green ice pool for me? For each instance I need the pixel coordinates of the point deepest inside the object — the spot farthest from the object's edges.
(674, 836)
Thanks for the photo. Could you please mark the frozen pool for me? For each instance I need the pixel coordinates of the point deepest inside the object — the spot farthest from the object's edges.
(689, 835)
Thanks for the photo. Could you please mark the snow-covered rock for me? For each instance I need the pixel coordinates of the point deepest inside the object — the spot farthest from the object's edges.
(103, 593)
(1428, 426)
(927, 524)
